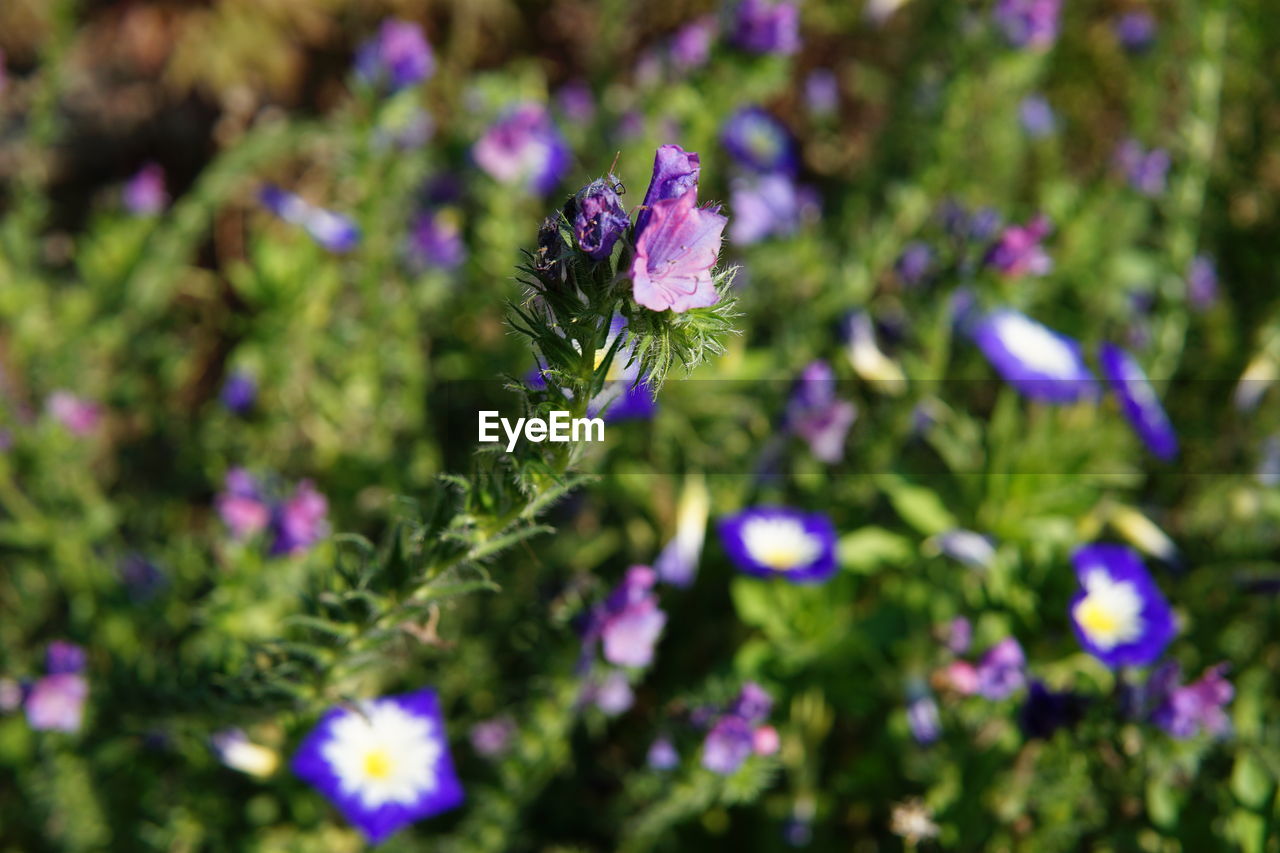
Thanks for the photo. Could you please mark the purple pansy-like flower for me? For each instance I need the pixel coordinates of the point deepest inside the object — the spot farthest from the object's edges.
(1146, 170)
(817, 416)
(1138, 401)
(1028, 23)
(674, 255)
(384, 765)
(144, 193)
(675, 172)
(767, 205)
(1202, 282)
(56, 702)
(1037, 117)
(62, 657)
(1040, 363)
(629, 622)
(598, 217)
(1185, 711)
(780, 542)
(1120, 616)
(1019, 250)
(299, 522)
(239, 392)
(330, 230)
(435, 240)
(1002, 670)
(1136, 30)
(397, 57)
(691, 44)
(766, 26)
(759, 142)
(524, 146)
(79, 416)
(242, 505)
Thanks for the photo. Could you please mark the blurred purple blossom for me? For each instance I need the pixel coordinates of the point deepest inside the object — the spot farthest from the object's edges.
(1018, 251)
(576, 102)
(1146, 171)
(140, 576)
(492, 738)
(629, 622)
(598, 217)
(768, 205)
(435, 240)
(662, 754)
(766, 26)
(817, 416)
(1187, 710)
(822, 91)
(239, 392)
(1136, 30)
(727, 745)
(915, 263)
(674, 255)
(56, 702)
(922, 717)
(524, 146)
(675, 172)
(144, 194)
(330, 230)
(612, 694)
(957, 635)
(758, 142)
(691, 44)
(1202, 282)
(62, 657)
(1002, 669)
(397, 57)
(299, 522)
(242, 504)
(1037, 117)
(1029, 23)
(76, 414)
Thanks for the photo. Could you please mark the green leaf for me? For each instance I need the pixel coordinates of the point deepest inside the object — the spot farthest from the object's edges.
(870, 548)
(918, 506)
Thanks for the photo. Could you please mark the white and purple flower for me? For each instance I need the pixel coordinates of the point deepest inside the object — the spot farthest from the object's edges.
(384, 764)
(1120, 616)
(1037, 361)
(780, 542)
(1138, 401)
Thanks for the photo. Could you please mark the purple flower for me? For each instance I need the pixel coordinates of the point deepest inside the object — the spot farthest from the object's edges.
(915, 263)
(1136, 30)
(435, 240)
(1119, 616)
(398, 57)
(62, 658)
(753, 704)
(299, 522)
(815, 415)
(1037, 361)
(1037, 117)
(822, 91)
(1046, 711)
(677, 564)
(576, 102)
(674, 255)
(957, 635)
(1202, 282)
(56, 702)
(766, 26)
(628, 622)
(675, 172)
(330, 230)
(612, 695)
(662, 754)
(492, 738)
(1185, 711)
(766, 205)
(759, 142)
(1028, 23)
(384, 764)
(144, 194)
(598, 217)
(729, 743)
(1018, 251)
(691, 45)
(1138, 401)
(242, 505)
(239, 392)
(922, 717)
(780, 542)
(524, 146)
(1002, 669)
(1146, 171)
(81, 417)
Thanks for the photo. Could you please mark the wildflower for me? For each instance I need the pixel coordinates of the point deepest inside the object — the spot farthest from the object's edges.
(598, 217)
(612, 694)
(1037, 117)
(1018, 251)
(62, 657)
(674, 255)
(1187, 710)
(822, 91)
(965, 546)
(780, 542)
(768, 205)
(912, 821)
(1138, 401)
(1029, 23)
(239, 392)
(241, 505)
(753, 703)
(492, 738)
(332, 231)
(1001, 670)
(524, 146)
(144, 194)
(1202, 282)
(765, 741)
(628, 622)
(677, 564)
(435, 240)
(235, 750)
(1136, 30)
(868, 360)
(758, 142)
(576, 102)
(915, 263)
(960, 676)
(1040, 363)
(729, 743)
(691, 44)
(299, 522)
(662, 754)
(1046, 711)
(384, 763)
(675, 172)
(957, 635)
(79, 416)
(56, 702)
(1119, 615)
(1146, 171)
(814, 413)
(396, 58)
(766, 26)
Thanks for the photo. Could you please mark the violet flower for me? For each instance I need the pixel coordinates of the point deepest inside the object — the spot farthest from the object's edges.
(674, 255)
(435, 240)
(675, 172)
(61, 658)
(242, 504)
(1037, 117)
(56, 702)
(736, 733)
(1146, 170)
(766, 26)
(758, 142)
(1018, 251)
(576, 102)
(612, 694)
(691, 45)
(662, 754)
(1138, 401)
(1136, 30)
(1119, 616)
(767, 206)
(79, 416)
(396, 58)
(239, 392)
(923, 719)
(915, 263)
(1188, 710)
(524, 146)
(1202, 282)
(598, 217)
(492, 738)
(144, 194)
(822, 92)
(677, 564)
(629, 622)
(299, 522)
(1037, 361)
(330, 230)
(781, 542)
(1029, 23)
(815, 415)
(1002, 670)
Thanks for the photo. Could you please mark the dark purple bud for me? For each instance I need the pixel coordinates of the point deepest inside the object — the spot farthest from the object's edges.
(63, 657)
(435, 240)
(1136, 31)
(598, 217)
(239, 393)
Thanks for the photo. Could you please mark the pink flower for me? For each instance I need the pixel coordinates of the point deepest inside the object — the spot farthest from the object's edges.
(674, 256)
(765, 740)
(57, 702)
(79, 416)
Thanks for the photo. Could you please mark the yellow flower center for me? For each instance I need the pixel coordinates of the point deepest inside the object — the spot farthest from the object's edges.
(377, 764)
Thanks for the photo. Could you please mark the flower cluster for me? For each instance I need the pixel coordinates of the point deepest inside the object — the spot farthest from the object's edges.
(55, 701)
(294, 523)
(740, 731)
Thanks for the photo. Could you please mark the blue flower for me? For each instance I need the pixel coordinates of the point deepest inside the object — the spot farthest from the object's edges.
(1037, 117)
(435, 240)
(915, 263)
(1119, 616)
(780, 542)
(1002, 670)
(384, 764)
(662, 754)
(1136, 30)
(1138, 401)
(1029, 23)
(923, 719)
(1146, 170)
(1186, 710)
(759, 142)
(239, 392)
(1202, 282)
(767, 205)
(1040, 363)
